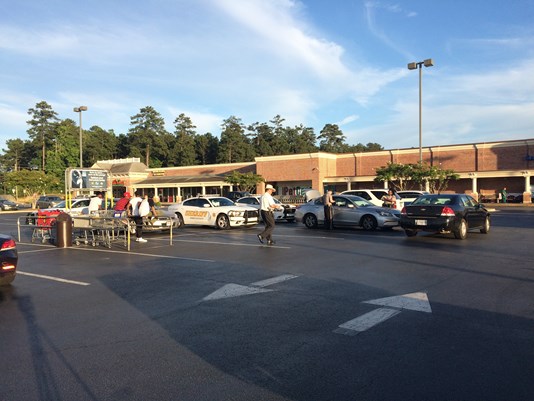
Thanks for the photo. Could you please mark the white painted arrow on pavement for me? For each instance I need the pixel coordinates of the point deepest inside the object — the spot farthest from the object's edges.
(417, 301)
(237, 290)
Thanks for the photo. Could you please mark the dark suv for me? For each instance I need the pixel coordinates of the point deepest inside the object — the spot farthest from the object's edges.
(46, 202)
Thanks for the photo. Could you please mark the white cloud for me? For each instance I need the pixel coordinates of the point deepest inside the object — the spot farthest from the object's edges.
(348, 120)
(204, 121)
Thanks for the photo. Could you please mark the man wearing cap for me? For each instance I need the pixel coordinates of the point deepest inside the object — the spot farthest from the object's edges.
(267, 206)
(123, 203)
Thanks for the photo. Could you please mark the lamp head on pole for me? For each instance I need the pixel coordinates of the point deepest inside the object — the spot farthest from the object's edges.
(79, 109)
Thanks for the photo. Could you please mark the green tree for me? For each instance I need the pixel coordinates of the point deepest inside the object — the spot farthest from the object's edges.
(438, 179)
(397, 175)
(404, 176)
(279, 143)
(42, 127)
(234, 145)
(370, 147)
(99, 144)
(261, 137)
(33, 183)
(147, 137)
(301, 139)
(206, 147)
(244, 181)
(184, 153)
(65, 150)
(332, 139)
(12, 157)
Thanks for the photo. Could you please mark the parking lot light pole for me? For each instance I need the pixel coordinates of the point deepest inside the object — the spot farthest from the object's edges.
(413, 66)
(79, 110)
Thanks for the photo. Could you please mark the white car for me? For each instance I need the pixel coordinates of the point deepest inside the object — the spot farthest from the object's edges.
(409, 196)
(374, 196)
(216, 211)
(286, 211)
(78, 207)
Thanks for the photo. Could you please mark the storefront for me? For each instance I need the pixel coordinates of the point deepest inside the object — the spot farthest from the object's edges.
(484, 168)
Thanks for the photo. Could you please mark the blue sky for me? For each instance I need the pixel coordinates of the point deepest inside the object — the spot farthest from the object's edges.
(311, 61)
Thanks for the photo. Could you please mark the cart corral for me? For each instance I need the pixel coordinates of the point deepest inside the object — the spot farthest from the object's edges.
(108, 228)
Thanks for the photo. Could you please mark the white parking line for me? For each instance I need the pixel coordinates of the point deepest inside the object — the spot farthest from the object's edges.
(232, 244)
(62, 280)
(39, 250)
(143, 254)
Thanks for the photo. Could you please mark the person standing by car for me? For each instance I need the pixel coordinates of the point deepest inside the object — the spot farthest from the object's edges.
(153, 213)
(328, 202)
(135, 202)
(95, 204)
(389, 200)
(267, 206)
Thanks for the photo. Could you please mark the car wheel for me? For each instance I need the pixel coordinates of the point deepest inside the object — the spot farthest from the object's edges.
(461, 231)
(180, 219)
(310, 220)
(369, 223)
(485, 229)
(410, 233)
(222, 222)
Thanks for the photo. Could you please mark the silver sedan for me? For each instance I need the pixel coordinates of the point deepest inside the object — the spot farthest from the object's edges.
(349, 210)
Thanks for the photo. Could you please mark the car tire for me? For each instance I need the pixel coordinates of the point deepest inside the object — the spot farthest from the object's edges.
(369, 223)
(180, 219)
(310, 220)
(410, 233)
(461, 231)
(222, 222)
(485, 229)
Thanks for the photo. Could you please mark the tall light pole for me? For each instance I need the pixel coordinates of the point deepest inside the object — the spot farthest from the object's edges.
(79, 110)
(413, 66)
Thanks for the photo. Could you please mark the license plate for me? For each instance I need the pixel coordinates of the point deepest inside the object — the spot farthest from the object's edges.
(420, 222)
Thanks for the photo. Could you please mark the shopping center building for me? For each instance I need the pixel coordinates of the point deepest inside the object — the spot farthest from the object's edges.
(484, 170)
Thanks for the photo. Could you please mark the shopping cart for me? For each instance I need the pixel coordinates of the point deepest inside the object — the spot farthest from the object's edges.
(46, 220)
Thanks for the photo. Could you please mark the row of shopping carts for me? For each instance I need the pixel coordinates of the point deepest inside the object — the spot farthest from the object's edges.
(100, 229)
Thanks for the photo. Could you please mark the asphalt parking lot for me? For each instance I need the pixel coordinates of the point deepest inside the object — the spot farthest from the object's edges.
(342, 315)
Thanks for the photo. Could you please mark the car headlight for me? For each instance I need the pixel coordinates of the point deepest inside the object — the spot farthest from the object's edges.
(385, 214)
(236, 213)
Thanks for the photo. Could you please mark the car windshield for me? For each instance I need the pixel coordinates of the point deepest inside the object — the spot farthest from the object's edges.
(216, 202)
(61, 204)
(358, 201)
(433, 200)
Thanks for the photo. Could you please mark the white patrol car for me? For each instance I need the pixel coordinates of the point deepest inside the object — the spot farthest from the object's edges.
(216, 211)
(286, 212)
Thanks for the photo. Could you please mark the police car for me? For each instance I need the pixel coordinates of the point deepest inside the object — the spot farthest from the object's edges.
(216, 211)
(286, 212)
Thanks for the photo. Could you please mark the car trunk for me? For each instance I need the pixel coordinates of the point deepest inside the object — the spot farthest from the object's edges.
(426, 211)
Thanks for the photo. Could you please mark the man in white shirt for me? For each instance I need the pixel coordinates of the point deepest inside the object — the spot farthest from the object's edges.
(267, 206)
(137, 218)
(96, 203)
(328, 202)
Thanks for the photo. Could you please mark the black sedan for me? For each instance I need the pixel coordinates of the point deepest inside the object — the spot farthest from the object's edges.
(445, 213)
(7, 205)
(8, 259)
